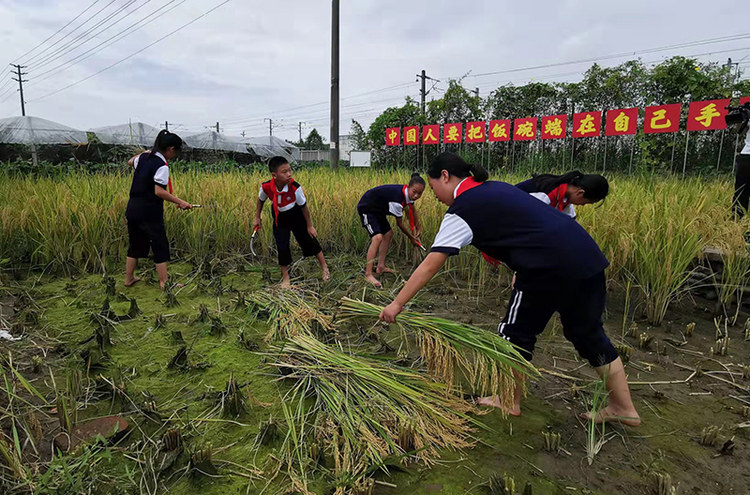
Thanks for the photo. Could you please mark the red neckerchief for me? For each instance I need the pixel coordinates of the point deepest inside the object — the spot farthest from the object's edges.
(465, 185)
(557, 197)
(275, 196)
(406, 205)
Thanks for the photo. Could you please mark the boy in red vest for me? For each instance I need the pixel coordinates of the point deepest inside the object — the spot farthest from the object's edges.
(290, 215)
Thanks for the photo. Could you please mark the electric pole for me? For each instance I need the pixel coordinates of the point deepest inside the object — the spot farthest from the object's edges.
(476, 92)
(299, 125)
(217, 127)
(270, 126)
(20, 82)
(166, 125)
(423, 93)
(335, 85)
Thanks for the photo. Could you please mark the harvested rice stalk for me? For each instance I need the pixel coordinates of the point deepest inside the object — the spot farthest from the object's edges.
(134, 311)
(502, 485)
(486, 360)
(288, 312)
(551, 441)
(201, 462)
(661, 484)
(644, 340)
(203, 315)
(710, 436)
(217, 326)
(722, 346)
(232, 400)
(368, 411)
(632, 330)
(689, 328)
(624, 351)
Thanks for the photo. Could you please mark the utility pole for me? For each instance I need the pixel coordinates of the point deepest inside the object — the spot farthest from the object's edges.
(476, 92)
(423, 93)
(299, 125)
(334, 85)
(166, 125)
(20, 82)
(270, 126)
(217, 127)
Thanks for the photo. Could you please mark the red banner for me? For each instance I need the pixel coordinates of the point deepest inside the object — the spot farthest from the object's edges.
(662, 118)
(431, 134)
(452, 133)
(475, 132)
(499, 130)
(525, 129)
(554, 127)
(411, 135)
(744, 100)
(707, 115)
(587, 124)
(621, 122)
(393, 136)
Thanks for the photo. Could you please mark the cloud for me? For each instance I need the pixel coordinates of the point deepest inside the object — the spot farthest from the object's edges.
(250, 60)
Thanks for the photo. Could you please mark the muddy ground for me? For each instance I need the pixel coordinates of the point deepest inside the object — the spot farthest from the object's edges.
(56, 323)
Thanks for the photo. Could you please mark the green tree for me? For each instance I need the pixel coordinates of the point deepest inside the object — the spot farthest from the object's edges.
(314, 141)
(359, 137)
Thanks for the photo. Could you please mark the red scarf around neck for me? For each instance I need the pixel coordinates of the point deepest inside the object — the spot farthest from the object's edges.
(408, 207)
(557, 197)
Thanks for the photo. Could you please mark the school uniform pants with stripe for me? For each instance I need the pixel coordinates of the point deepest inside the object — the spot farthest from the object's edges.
(580, 304)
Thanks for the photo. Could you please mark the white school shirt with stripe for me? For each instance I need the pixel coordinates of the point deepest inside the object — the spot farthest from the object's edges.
(569, 209)
(299, 197)
(162, 173)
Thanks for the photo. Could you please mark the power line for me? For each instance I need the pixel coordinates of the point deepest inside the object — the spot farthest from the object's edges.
(725, 39)
(88, 54)
(135, 53)
(32, 59)
(251, 117)
(86, 36)
(59, 30)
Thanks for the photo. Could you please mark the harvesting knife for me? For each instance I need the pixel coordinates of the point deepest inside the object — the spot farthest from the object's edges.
(252, 242)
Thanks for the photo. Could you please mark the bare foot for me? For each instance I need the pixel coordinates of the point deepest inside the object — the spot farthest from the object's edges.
(286, 284)
(326, 274)
(373, 281)
(383, 269)
(494, 401)
(131, 283)
(611, 415)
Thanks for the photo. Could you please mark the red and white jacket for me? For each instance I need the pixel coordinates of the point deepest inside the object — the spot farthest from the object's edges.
(283, 200)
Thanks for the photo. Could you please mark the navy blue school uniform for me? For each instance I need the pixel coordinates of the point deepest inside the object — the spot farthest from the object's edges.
(550, 196)
(145, 210)
(558, 265)
(288, 218)
(380, 202)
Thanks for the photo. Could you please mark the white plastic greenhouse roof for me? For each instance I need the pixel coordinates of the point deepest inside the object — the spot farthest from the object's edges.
(270, 146)
(136, 133)
(33, 130)
(212, 140)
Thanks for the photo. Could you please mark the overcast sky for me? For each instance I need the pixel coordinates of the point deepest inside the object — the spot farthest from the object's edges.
(250, 60)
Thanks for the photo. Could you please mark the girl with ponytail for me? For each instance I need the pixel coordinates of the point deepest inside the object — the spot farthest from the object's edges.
(145, 212)
(564, 192)
(559, 268)
(375, 207)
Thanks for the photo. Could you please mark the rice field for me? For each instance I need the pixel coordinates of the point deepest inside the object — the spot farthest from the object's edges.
(229, 385)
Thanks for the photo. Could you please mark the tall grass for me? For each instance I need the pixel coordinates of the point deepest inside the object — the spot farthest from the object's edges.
(649, 227)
